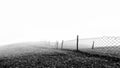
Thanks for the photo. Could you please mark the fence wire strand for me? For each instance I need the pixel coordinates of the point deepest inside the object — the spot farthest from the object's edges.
(109, 45)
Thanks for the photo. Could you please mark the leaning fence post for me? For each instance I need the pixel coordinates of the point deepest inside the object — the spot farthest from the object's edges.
(62, 44)
(93, 45)
(77, 42)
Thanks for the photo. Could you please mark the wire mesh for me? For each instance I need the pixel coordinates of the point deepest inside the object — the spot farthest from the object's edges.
(107, 45)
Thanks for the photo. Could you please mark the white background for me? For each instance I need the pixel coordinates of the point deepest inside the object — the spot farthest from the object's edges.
(51, 20)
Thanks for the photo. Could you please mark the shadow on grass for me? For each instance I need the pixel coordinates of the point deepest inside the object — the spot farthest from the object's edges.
(107, 57)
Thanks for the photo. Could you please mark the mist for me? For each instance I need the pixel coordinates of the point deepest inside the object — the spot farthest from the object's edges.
(28, 20)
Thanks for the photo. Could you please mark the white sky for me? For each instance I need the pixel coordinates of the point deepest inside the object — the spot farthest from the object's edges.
(39, 20)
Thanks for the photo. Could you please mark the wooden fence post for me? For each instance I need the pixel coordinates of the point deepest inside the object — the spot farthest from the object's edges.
(77, 42)
(93, 45)
(62, 44)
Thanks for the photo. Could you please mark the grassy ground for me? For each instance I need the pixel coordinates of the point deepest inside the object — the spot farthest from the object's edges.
(58, 59)
(113, 51)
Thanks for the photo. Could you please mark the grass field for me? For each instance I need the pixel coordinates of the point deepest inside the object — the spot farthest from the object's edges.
(113, 51)
(42, 57)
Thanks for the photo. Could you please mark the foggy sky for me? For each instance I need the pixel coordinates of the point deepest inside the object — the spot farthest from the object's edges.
(51, 20)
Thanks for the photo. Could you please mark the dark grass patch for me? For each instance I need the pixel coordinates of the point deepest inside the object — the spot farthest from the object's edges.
(107, 57)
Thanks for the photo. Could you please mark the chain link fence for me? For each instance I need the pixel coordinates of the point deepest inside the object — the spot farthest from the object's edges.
(101, 45)
(98, 42)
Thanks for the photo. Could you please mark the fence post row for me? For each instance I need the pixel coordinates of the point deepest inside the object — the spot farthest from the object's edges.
(77, 42)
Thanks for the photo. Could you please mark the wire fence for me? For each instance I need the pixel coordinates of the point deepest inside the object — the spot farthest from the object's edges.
(105, 45)
(98, 42)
